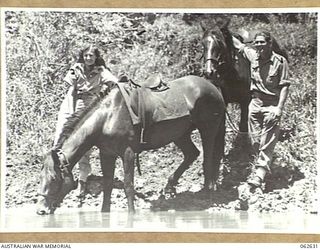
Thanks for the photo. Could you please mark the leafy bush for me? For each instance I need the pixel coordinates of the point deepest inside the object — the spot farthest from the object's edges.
(41, 46)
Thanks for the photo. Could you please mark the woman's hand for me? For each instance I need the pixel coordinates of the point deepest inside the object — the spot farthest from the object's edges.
(274, 114)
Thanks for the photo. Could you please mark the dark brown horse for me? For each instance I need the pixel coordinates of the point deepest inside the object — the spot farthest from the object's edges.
(107, 124)
(224, 66)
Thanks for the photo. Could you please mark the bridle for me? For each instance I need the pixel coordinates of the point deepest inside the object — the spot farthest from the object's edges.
(64, 162)
(217, 59)
(62, 166)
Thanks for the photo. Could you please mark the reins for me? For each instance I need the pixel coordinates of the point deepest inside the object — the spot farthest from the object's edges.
(217, 60)
(237, 131)
(63, 161)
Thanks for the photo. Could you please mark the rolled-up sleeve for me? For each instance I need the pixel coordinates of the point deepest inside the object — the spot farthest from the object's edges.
(71, 76)
(284, 74)
(107, 76)
(250, 54)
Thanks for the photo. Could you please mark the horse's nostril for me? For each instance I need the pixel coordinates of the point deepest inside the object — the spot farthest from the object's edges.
(208, 73)
(41, 212)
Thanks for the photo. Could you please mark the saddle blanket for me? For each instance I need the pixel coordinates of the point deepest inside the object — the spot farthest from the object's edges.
(148, 107)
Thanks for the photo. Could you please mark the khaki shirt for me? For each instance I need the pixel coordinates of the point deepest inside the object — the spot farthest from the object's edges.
(85, 83)
(268, 76)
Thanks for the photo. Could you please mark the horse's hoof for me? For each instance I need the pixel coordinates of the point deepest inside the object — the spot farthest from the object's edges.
(41, 212)
(105, 210)
(169, 193)
(168, 196)
(244, 205)
(80, 204)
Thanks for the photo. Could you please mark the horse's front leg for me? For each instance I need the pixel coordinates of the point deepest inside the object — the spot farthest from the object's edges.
(107, 167)
(128, 165)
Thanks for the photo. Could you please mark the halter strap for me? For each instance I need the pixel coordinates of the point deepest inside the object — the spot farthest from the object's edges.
(64, 162)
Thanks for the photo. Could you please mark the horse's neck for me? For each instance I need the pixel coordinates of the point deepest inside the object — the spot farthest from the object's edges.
(242, 68)
(230, 72)
(89, 131)
(236, 69)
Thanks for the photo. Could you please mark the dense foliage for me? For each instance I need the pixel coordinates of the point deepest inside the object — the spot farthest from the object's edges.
(41, 46)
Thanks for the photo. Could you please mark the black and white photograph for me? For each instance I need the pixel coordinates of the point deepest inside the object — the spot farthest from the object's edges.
(159, 120)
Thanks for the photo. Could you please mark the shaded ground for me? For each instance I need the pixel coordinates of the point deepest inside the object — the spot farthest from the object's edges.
(287, 189)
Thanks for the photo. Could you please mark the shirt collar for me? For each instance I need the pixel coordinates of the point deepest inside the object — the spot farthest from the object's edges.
(95, 69)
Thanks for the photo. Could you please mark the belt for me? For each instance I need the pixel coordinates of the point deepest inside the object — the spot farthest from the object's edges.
(260, 95)
(82, 95)
(86, 95)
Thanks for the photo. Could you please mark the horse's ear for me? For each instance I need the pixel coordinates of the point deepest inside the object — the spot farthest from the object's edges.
(223, 23)
(203, 26)
(226, 23)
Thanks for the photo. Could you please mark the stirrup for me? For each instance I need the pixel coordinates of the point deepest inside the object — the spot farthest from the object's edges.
(142, 137)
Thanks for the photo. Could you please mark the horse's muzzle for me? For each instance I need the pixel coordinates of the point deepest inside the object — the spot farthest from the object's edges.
(211, 74)
(43, 208)
(207, 74)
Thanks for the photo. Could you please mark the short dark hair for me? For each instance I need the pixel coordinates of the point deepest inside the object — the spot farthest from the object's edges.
(265, 34)
(99, 60)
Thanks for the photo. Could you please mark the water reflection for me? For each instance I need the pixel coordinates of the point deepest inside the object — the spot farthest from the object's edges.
(25, 220)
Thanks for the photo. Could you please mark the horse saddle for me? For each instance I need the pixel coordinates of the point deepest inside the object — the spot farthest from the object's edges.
(152, 101)
(153, 82)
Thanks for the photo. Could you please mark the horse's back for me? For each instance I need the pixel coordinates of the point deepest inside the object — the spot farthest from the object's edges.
(197, 103)
(195, 87)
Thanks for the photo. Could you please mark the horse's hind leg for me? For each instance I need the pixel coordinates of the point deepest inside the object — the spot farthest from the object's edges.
(190, 153)
(209, 132)
(107, 167)
(218, 151)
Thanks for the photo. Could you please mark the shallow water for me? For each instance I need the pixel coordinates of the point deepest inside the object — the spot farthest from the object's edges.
(26, 220)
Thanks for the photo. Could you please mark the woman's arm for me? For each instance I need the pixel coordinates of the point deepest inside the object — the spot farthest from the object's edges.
(237, 43)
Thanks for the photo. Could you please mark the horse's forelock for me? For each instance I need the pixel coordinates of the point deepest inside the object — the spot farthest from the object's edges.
(216, 34)
(222, 39)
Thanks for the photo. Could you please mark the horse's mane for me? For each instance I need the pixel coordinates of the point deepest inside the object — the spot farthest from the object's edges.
(75, 119)
(278, 49)
(229, 43)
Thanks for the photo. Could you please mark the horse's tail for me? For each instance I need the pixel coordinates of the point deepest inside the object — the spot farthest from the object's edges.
(138, 164)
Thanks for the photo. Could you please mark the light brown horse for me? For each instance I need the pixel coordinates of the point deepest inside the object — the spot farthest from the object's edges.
(107, 124)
